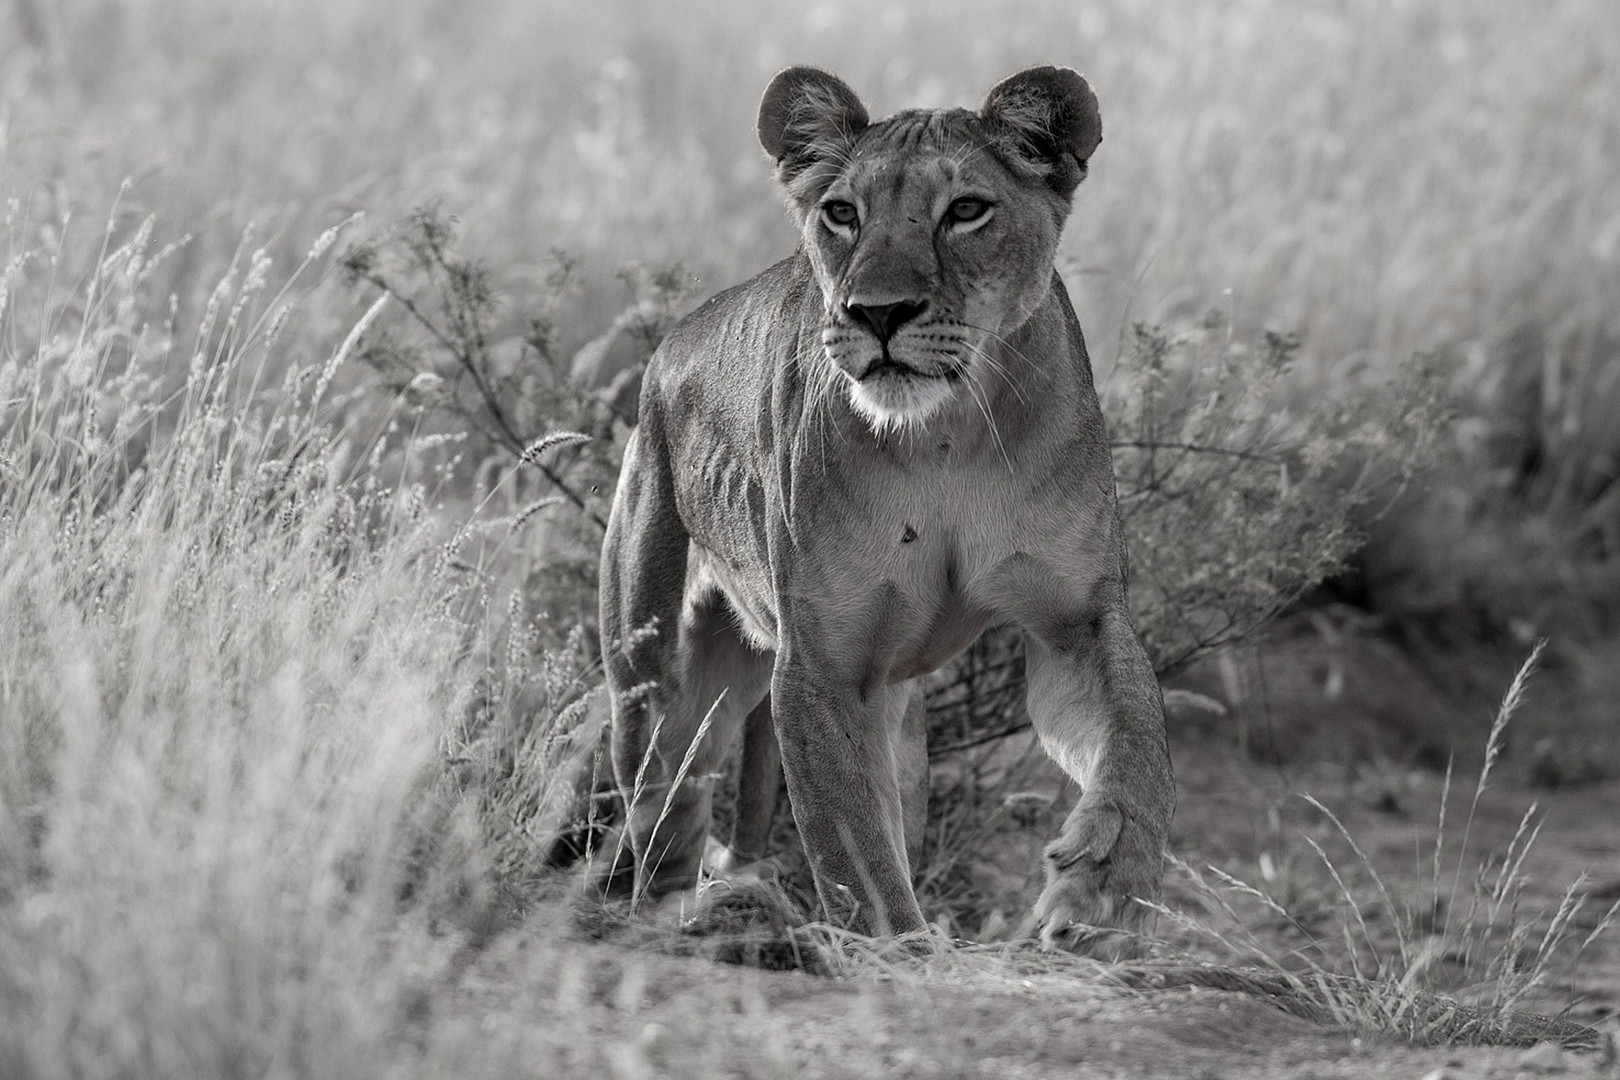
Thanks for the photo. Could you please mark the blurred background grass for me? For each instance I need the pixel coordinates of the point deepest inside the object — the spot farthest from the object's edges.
(1384, 178)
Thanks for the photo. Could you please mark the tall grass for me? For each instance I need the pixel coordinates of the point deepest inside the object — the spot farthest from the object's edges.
(224, 672)
(1383, 178)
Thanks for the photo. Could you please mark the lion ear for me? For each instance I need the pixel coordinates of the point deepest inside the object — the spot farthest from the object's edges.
(807, 116)
(1049, 118)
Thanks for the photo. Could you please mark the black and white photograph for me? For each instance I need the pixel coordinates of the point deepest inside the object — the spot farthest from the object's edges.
(809, 538)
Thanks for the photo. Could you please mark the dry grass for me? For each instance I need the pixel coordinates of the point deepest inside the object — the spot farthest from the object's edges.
(1383, 178)
(224, 671)
(1452, 961)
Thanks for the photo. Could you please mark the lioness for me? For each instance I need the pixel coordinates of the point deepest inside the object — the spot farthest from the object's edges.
(844, 470)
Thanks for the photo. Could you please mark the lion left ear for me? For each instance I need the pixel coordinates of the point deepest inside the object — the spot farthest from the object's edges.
(1050, 118)
(808, 116)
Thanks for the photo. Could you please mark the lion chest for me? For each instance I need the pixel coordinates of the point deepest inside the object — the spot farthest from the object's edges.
(933, 619)
(876, 579)
(889, 590)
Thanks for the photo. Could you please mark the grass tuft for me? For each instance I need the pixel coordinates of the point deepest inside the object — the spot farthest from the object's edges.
(1395, 970)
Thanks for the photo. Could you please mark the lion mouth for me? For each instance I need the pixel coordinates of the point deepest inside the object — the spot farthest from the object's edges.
(894, 396)
(888, 367)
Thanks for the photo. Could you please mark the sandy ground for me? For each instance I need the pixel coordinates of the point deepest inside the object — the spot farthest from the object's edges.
(569, 1008)
(1344, 719)
(687, 1018)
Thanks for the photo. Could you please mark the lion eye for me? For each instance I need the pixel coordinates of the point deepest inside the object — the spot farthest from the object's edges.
(839, 213)
(967, 209)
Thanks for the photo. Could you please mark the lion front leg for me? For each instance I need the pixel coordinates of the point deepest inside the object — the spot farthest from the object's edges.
(841, 751)
(1097, 707)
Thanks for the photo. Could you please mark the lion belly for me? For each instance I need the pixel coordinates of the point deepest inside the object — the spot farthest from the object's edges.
(751, 604)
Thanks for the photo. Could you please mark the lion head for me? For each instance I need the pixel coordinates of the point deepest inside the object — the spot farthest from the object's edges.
(931, 233)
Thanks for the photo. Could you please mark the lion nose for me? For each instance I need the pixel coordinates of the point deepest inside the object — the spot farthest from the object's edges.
(884, 319)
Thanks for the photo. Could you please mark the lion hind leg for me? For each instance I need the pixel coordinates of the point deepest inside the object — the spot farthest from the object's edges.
(680, 676)
(759, 781)
(719, 681)
(910, 735)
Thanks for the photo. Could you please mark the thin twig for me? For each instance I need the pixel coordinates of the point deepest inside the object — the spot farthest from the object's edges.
(505, 433)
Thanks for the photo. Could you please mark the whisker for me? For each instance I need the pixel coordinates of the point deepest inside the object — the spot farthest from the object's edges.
(998, 368)
(981, 398)
(1004, 343)
(966, 154)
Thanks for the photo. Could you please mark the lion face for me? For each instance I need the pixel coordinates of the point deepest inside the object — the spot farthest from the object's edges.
(931, 233)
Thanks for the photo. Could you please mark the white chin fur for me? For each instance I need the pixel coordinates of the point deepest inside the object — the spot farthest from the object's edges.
(893, 404)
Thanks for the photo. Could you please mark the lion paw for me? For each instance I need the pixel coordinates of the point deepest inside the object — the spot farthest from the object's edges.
(1097, 874)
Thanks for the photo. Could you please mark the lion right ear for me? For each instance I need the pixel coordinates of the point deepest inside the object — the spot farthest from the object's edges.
(1047, 117)
(808, 117)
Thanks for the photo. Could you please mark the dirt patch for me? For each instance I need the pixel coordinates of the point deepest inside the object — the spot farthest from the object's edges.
(580, 1009)
(1347, 709)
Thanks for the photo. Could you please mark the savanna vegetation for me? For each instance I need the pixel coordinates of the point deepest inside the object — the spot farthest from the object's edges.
(300, 496)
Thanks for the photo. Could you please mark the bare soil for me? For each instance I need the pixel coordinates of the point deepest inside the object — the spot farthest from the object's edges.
(572, 1008)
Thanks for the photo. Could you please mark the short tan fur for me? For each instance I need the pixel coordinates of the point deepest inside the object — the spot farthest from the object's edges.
(848, 467)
